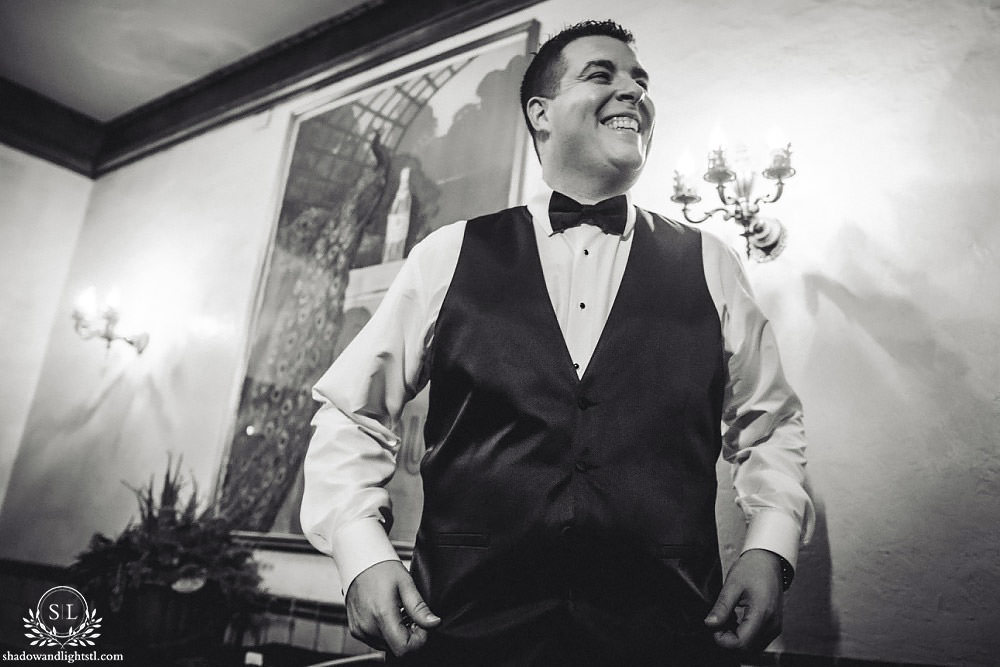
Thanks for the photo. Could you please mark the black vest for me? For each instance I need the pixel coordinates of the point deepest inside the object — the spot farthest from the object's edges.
(545, 493)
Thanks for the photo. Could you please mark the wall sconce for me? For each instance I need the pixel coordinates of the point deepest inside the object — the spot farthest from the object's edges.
(91, 321)
(734, 181)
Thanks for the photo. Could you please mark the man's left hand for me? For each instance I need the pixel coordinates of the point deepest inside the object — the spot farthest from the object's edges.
(747, 615)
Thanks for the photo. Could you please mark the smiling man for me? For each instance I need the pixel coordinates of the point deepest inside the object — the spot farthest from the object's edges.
(591, 117)
(583, 355)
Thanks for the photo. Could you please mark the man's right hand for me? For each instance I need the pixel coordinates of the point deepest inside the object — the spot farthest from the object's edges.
(375, 603)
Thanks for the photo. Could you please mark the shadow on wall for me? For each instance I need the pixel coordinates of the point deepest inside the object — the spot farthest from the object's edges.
(906, 354)
(100, 427)
(811, 622)
(942, 357)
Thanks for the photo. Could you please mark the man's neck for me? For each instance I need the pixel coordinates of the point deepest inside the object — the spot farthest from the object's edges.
(585, 191)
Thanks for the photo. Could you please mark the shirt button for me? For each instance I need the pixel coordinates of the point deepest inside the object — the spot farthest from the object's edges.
(586, 252)
(582, 305)
(576, 366)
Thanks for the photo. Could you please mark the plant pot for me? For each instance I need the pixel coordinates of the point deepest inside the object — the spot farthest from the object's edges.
(161, 620)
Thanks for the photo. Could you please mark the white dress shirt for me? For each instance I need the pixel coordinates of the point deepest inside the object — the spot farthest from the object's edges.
(353, 451)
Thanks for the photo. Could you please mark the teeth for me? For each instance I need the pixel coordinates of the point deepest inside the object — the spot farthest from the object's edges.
(622, 123)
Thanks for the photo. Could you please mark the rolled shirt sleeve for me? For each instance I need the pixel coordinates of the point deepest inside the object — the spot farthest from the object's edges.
(764, 438)
(346, 511)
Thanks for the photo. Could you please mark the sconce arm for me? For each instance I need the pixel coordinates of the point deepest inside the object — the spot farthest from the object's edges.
(774, 196)
(138, 341)
(85, 328)
(725, 197)
(725, 212)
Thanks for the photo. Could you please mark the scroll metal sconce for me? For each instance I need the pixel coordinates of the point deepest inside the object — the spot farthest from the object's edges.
(734, 183)
(93, 321)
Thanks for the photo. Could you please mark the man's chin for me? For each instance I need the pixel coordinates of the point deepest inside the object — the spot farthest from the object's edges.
(629, 165)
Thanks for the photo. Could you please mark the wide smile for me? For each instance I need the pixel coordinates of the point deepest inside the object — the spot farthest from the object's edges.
(624, 124)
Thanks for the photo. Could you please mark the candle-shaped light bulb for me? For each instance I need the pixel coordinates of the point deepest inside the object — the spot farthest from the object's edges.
(781, 154)
(776, 138)
(718, 169)
(112, 303)
(678, 184)
(716, 139)
(685, 167)
(86, 304)
(744, 171)
(685, 163)
(114, 300)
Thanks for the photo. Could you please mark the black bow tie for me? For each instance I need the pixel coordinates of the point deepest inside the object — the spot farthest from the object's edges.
(610, 215)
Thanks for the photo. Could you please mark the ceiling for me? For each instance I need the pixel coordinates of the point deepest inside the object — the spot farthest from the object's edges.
(104, 58)
(93, 85)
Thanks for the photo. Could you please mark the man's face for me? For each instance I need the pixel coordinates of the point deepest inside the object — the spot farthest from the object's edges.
(601, 119)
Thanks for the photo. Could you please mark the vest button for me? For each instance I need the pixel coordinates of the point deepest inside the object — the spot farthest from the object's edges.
(583, 402)
(580, 466)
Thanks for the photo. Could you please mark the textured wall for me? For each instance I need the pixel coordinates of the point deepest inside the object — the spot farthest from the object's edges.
(41, 210)
(181, 234)
(884, 304)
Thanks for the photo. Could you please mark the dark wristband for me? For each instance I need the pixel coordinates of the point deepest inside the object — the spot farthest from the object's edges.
(787, 574)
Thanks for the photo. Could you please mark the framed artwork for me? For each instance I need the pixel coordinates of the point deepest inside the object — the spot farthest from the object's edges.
(370, 173)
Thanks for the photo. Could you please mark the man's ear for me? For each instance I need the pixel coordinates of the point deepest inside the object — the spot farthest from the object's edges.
(537, 110)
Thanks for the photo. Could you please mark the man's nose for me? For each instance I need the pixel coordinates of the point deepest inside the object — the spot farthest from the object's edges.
(629, 89)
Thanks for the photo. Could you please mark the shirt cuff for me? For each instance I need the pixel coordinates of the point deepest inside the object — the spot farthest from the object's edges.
(359, 545)
(774, 531)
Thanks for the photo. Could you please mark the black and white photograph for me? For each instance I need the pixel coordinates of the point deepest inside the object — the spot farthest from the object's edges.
(485, 333)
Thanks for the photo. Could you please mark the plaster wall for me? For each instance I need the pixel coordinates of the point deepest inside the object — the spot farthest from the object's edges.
(884, 303)
(181, 235)
(42, 208)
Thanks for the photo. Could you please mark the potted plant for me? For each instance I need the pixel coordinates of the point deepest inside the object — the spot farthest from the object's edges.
(173, 579)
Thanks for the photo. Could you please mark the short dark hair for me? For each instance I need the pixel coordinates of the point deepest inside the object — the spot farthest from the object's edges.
(547, 67)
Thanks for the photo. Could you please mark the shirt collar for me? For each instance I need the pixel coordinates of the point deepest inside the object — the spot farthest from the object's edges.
(538, 207)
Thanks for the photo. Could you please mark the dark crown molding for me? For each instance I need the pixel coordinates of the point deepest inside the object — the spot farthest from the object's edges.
(373, 33)
(47, 129)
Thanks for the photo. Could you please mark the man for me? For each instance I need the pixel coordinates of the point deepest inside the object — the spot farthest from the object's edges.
(582, 355)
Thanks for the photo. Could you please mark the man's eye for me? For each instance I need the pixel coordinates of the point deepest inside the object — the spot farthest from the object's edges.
(600, 76)
(643, 84)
